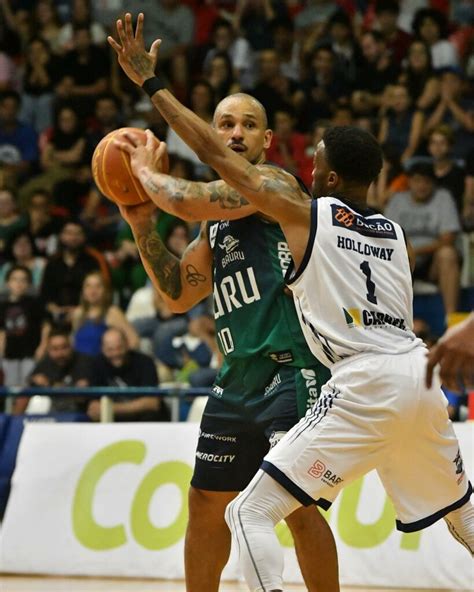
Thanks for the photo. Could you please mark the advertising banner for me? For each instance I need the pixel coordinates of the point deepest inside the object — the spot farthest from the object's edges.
(111, 500)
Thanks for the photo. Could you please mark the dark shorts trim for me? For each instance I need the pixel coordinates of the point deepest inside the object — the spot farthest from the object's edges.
(429, 520)
(292, 488)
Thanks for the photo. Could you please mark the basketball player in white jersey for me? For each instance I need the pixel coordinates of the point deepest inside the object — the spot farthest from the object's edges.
(352, 285)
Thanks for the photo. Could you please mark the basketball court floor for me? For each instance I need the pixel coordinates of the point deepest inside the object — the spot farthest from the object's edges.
(44, 584)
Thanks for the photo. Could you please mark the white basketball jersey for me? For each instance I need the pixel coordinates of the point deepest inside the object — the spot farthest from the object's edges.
(353, 289)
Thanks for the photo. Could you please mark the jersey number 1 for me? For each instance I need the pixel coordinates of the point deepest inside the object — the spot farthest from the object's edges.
(365, 267)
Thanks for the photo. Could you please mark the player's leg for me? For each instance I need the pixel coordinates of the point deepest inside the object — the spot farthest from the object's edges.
(315, 549)
(423, 471)
(333, 445)
(314, 541)
(228, 455)
(252, 517)
(207, 542)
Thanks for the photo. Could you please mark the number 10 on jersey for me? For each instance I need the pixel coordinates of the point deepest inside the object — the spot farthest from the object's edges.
(226, 341)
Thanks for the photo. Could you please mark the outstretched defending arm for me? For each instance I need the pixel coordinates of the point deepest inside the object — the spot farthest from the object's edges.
(273, 192)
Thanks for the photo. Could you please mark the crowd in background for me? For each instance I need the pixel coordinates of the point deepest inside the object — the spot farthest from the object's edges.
(76, 306)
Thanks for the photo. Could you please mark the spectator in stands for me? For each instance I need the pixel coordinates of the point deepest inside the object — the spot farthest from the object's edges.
(254, 20)
(39, 80)
(449, 174)
(65, 272)
(82, 17)
(18, 141)
(120, 366)
(287, 48)
(201, 102)
(392, 179)
(11, 221)
(288, 147)
(48, 24)
(419, 77)
(468, 213)
(376, 73)
(107, 117)
(397, 40)
(95, 314)
(272, 88)
(456, 110)
(219, 74)
(23, 328)
(62, 151)
(325, 86)
(8, 72)
(43, 225)
(84, 72)
(430, 26)
(402, 125)
(312, 19)
(61, 366)
(431, 222)
(172, 21)
(344, 45)
(238, 50)
(21, 251)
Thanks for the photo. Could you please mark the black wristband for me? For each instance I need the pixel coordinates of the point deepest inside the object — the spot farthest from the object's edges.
(152, 85)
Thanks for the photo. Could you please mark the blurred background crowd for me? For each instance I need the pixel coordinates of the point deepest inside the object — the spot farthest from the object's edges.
(76, 307)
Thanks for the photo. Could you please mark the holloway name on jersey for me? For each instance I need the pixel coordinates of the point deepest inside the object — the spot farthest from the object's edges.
(353, 289)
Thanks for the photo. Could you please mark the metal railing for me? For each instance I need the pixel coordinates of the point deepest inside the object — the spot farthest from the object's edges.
(174, 393)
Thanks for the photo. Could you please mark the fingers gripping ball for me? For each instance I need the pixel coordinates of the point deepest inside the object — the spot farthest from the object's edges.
(112, 171)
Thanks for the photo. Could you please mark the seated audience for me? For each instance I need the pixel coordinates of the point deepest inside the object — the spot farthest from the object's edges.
(65, 272)
(11, 221)
(431, 222)
(21, 250)
(61, 366)
(120, 366)
(23, 328)
(95, 314)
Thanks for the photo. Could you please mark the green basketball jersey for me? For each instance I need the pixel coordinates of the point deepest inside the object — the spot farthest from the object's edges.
(256, 319)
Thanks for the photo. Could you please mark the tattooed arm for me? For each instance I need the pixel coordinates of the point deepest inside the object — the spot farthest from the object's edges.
(182, 283)
(188, 200)
(274, 193)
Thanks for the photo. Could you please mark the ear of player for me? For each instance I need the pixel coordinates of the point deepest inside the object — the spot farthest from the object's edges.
(112, 171)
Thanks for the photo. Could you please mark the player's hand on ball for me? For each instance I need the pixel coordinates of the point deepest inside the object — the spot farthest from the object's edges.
(146, 152)
(137, 63)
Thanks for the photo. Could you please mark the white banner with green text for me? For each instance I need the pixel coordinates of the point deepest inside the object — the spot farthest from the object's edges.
(111, 500)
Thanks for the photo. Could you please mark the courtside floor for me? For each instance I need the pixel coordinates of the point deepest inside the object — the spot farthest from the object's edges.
(44, 584)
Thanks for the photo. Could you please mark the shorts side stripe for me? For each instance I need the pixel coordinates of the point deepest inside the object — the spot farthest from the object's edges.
(429, 520)
(291, 487)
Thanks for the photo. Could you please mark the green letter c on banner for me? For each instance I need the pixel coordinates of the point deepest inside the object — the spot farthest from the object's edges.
(353, 532)
(87, 531)
(147, 535)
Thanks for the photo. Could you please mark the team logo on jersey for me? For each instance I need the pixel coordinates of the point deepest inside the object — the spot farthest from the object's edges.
(371, 318)
(375, 227)
(311, 382)
(229, 243)
(459, 466)
(213, 234)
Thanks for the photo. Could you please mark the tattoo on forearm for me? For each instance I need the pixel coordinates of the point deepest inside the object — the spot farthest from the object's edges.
(165, 266)
(228, 198)
(193, 276)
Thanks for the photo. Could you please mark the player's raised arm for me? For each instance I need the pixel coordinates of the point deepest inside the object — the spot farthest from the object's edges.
(181, 282)
(272, 193)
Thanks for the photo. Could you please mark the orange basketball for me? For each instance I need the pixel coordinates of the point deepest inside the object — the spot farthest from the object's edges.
(112, 171)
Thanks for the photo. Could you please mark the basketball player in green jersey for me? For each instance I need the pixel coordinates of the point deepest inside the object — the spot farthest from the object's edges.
(267, 366)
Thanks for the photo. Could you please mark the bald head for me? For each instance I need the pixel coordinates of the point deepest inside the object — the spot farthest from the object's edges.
(115, 346)
(242, 101)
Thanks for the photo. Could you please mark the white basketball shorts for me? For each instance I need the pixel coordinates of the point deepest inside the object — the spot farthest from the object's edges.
(376, 413)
